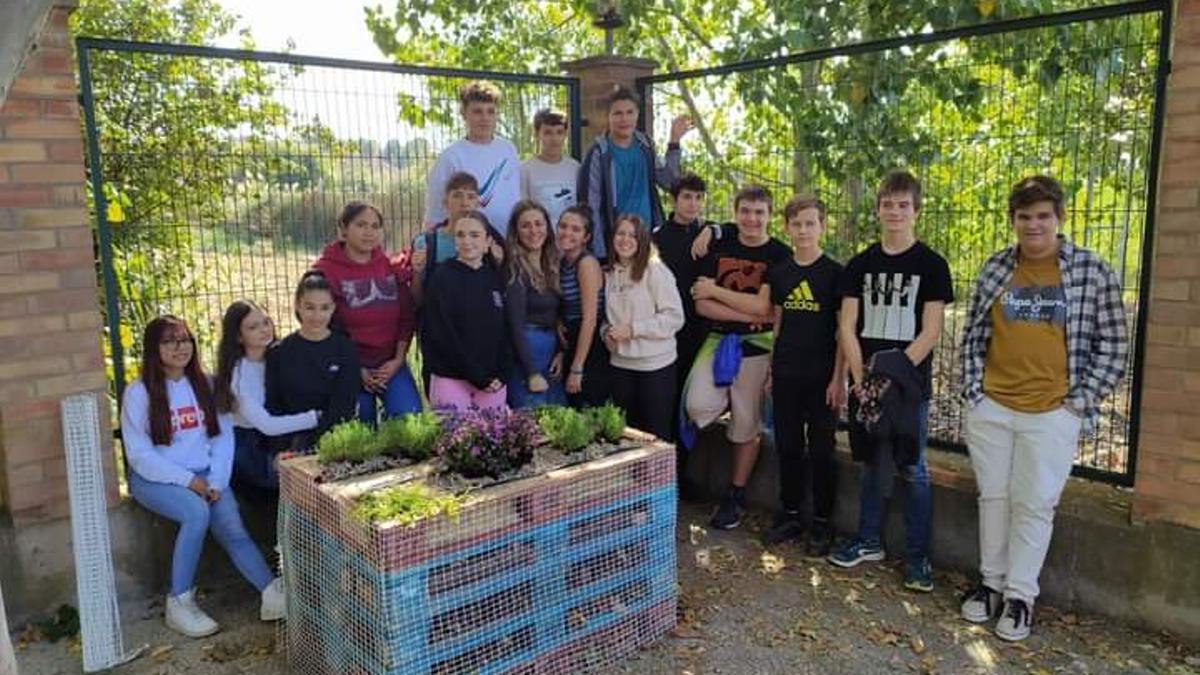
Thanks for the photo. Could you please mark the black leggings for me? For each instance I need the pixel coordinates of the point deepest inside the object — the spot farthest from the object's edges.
(647, 397)
(804, 427)
(597, 373)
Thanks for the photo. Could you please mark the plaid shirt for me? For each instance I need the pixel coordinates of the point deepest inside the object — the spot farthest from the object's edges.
(1096, 335)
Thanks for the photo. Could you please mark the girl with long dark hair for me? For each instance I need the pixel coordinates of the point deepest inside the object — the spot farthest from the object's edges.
(533, 302)
(180, 454)
(240, 389)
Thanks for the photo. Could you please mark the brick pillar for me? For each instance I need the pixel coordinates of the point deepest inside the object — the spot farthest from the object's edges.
(598, 75)
(50, 321)
(1167, 486)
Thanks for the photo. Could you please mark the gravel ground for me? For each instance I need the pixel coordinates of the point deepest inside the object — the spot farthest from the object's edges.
(743, 611)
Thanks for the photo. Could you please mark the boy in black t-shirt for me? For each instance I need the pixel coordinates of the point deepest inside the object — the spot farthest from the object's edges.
(674, 240)
(732, 293)
(894, 295)
(808, 377)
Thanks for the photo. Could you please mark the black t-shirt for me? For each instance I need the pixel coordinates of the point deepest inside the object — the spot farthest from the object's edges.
(808, 297)
(674, 242)
(892, 291)
(743, 269)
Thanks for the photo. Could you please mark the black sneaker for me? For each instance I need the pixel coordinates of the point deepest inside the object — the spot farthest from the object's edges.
(820, 540)
(787, 526)
(1014, 621)
(729, 514)
(981, 604)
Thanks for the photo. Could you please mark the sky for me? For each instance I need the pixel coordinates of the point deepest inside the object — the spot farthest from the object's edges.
(335, 28)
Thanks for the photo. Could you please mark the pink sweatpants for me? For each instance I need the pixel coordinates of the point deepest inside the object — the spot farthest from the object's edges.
(445, 392)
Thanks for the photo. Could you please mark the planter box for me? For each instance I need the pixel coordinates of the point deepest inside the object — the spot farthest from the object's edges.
(564, 572)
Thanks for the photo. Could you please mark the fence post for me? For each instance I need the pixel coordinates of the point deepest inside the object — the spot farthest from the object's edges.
(598, 76)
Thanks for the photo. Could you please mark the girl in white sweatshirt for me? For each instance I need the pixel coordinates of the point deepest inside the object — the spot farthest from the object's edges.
(643, 312)
(240, 389)
(180, 452)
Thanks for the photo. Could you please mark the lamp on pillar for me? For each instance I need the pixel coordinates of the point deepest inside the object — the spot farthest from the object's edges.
(610, 19)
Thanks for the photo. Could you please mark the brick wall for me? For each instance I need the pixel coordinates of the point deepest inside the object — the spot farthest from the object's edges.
(1168, 476)
(50, 321)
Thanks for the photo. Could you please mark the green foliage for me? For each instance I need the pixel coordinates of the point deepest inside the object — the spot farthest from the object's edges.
(406, 505)
(161, 120)
(413, 436)
(352, 441)
(608, 421)
(566, 428)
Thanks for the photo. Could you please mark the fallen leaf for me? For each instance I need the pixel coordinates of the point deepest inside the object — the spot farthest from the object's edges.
(771, 564)
(917, 644)
(814, 577)
(696, 533)
(161, 653)
(910, 608)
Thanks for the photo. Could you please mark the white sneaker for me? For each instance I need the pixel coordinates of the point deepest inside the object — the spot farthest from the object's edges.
(1014, 621)
(183, 616)
(274, 602)
(981, 604)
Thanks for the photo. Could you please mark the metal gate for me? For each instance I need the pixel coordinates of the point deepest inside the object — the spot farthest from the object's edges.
(1078, 95)
(218, 174)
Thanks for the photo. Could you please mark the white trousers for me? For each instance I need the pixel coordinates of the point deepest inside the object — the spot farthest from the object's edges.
(8, 660)
(1021, 462)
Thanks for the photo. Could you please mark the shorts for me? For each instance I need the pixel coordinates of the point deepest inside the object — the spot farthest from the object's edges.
(744, 398)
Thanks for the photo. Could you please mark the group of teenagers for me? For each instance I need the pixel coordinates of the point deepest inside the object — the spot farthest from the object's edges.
(555, 282)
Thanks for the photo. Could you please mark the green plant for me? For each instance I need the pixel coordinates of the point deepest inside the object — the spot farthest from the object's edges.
(406, 505)
(413, 436)
(348, 442)
(566, 428)
(609, 421)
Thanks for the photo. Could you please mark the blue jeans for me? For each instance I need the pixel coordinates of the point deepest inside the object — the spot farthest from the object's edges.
(399, 397)
(196, 517)
(543, 344)
(877, 481)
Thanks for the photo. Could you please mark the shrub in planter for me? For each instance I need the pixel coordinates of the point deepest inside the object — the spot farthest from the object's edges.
(348, 442)
(406, 505)
(413, 436)
(609, 421)
(566, 428)
(480, 443)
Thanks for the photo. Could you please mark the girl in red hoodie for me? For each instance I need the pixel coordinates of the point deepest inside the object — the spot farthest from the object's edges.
(375, 308)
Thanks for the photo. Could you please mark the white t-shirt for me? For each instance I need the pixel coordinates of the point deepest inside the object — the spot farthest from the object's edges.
(551, 185)
(495, 165)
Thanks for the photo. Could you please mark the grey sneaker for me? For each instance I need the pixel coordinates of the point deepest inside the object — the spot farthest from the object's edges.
(981, 604)
(1014, 621)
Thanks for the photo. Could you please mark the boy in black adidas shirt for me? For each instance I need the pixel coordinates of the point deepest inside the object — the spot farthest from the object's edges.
(808, 379)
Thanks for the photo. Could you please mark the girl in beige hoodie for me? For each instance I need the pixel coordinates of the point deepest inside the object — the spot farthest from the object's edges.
(643, 312)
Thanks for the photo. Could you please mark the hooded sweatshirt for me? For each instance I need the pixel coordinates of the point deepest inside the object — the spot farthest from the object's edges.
(464, 324)
(597, 188)
(191, 450)
(373, 306)
(652, 307)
